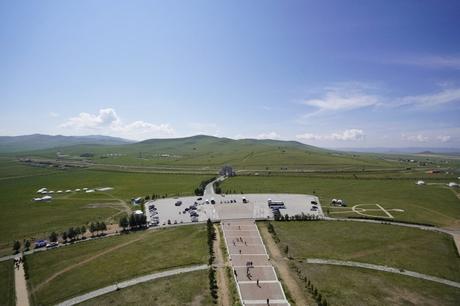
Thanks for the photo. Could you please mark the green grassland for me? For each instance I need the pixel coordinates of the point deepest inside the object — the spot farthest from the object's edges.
(7, 293)
(433, 204)
(184, 289)
(406, 248)
(21, 218)
(213, 152)
(65, 272)
(352, 286)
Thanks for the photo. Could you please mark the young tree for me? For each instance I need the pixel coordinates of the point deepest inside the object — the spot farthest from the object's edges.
(27, 245)
(64, 236)
(83, 230)
(53, 237)
(77, 232)
(71, 233)
(123, 223)
(16, 246)
(92, 229)
(103, 227)
(97, 227)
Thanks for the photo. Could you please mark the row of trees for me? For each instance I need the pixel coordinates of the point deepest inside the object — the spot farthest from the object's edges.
(17, 246)
(133, 222)
(298, 217)
(200, 189)
(212, 271)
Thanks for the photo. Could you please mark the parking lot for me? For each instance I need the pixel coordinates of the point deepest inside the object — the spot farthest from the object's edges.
(222, 207)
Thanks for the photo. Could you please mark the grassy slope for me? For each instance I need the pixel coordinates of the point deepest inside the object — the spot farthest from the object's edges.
(208, 151)
(7, 293)
(401, 247)
(154, 251)
(21, 218)
(184, 289)
(351, 286)
(430, 204)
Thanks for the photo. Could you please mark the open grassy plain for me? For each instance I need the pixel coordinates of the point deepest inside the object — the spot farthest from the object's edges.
(7, 293)
(21, 218)
(353, 286)
(406, 248)
(211, 152)
(432, 204)
(65, 272)
(185, 289)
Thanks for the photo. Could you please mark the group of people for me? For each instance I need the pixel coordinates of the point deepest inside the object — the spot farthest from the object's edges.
(17, 262)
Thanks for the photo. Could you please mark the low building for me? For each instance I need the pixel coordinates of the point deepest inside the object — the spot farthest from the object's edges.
(452, 184)
(420, 183)
(227, 171)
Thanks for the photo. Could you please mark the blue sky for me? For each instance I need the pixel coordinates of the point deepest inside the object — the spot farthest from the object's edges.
(327, 73)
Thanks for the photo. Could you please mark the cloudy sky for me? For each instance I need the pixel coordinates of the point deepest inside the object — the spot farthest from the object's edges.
(327, 73)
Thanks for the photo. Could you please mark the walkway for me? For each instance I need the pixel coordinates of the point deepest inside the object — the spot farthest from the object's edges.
(382, 268)
(257, 281)
(129, 283)
(20, 284)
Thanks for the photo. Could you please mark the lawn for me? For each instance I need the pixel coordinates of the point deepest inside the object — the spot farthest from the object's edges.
(184, 289)
(7, 293)
(69, 271)
(23, 219)
(352, 286)
(412, 249)
(433, 204)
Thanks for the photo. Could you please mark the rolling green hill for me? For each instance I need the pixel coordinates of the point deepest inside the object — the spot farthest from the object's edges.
(207, 152)
(39, 141)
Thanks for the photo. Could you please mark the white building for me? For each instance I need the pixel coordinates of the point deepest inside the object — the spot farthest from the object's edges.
(452, 184)
(420, 183)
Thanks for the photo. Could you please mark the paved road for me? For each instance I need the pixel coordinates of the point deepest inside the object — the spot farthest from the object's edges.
(209, 189)
(259, 282)
(20, 284)
(382, 268)
(129, 283)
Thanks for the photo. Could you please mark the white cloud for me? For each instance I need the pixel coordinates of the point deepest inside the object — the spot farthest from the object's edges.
(431, 61)
(107, 121)
(343, 97)
(104, 118)
(269, 135)
(53, 114)
(430, 100)
(415, 138)
(346, 135)
(444, 138)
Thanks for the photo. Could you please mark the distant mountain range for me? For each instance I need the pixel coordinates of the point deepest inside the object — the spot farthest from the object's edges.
(407, 150)
(11, 144)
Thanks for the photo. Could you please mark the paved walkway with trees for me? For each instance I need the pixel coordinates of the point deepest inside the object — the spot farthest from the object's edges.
(20, 283)
(256, 279)
(355, 264)
(129, 283)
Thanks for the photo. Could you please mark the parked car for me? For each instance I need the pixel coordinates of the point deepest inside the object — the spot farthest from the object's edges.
(52, 245)
(199, 199)
(178, 203)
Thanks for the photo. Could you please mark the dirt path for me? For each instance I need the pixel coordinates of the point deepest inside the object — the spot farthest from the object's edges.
(81, 263)
(225, 297)
(22, 297)
(282, 267)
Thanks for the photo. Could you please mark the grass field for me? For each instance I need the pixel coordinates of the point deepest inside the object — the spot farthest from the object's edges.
(412, 249)
(66, 272)
(351, 286)
(206, 151)
(23, 219)
(434, 204)
(7, 293)
(184, 289)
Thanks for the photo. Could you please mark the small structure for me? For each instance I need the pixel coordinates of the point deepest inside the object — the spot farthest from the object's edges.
(42, 190)
(334, 201)
(136, 201)
(227, 171)
(420, 183)
(43, 199)
(452, 184)
(138, 212)
(89, 190)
